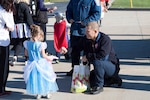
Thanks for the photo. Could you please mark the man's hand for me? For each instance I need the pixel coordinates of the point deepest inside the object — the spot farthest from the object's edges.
(52, 9)
(71, 21)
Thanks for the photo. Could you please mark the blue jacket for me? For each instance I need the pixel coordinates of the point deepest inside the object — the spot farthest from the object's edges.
(84, 11)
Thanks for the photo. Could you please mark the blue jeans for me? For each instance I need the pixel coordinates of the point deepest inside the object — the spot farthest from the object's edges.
(100, 69)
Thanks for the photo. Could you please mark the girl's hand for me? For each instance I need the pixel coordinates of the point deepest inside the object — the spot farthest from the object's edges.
(51, 58)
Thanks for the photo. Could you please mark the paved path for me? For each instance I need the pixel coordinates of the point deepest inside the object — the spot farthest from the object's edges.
(130, 33)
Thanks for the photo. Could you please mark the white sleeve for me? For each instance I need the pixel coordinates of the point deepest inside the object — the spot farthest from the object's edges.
(9, 20)
(97, 2)
(43, 45)
(25, 44)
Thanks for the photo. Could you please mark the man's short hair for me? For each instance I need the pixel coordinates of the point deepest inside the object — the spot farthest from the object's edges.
(94, 25)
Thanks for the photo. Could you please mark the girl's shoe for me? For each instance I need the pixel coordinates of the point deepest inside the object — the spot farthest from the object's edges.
(48, 96)
(38, 96)
(25, 63)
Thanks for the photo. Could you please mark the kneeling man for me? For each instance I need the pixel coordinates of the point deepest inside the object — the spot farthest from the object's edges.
(98, 50)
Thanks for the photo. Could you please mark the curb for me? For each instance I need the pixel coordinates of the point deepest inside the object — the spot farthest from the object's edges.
(130, 9)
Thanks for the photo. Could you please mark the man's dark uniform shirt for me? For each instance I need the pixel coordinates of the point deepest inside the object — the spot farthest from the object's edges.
(100, 49)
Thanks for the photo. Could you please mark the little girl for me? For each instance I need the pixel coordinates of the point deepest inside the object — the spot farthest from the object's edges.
(38, 72)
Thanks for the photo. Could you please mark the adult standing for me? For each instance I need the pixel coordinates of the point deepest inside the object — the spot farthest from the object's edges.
(98, 50)
(42, 8)
(23, 20)
(6, 25)
(78, 14)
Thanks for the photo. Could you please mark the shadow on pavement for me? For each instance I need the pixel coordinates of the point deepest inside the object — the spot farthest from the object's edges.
(136, 82)
(17, 96)
(64, 83)
(18, 83)
(132, 49)
(135, 63)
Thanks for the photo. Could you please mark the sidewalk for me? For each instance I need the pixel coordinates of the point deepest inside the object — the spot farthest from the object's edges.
(130, 33)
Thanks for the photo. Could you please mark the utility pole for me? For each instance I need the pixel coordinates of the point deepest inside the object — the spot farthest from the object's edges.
(131, 5)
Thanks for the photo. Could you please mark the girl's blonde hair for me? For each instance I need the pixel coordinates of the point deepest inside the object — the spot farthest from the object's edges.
(26, 1)
(36, 30)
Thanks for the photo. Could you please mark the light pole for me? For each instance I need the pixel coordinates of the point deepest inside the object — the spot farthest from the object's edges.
(131, 5)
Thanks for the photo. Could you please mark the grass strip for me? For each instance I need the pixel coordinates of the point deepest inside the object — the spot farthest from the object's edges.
(131, 3)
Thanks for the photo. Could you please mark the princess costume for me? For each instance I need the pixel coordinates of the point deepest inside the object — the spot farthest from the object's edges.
(38, 72)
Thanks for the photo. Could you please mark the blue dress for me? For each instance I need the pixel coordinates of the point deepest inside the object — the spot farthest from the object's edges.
(38, 72)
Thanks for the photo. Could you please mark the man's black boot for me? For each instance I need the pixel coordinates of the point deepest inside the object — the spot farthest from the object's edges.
(96, 90)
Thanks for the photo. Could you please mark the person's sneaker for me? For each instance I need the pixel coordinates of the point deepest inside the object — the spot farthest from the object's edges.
(57, 61)
(96, 90)
(15, 58)
(38, 96)
(13, 61)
